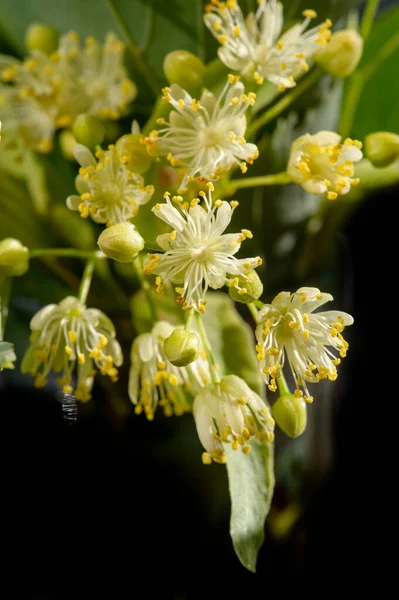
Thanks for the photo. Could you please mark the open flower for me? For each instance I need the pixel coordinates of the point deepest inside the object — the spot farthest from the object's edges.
(154, 381)
(206, 135)
(66, 335)
(198, 255)
(256, 46)
(312, 343)
(109, 192)
(322, 165)
(230, 412)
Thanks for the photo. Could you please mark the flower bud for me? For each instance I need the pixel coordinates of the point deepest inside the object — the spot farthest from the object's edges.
(67, 144)
(122, 242)
(184, 68)
(342, 54)
(41, 37)
(382, 148)
(14, 258)
(181, 347)
(88, 130)
(289, 413)
(133, 153)
(249, 288)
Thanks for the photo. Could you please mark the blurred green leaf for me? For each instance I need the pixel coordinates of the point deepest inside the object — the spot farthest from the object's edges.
(378, 109)
(232, 340)
(251, 484)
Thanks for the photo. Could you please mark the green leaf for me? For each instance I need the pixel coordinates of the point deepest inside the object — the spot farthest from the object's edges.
(232, 340)
(251, 483)
(7, 356)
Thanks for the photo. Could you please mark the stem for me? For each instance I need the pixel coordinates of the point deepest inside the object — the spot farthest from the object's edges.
(208, 350)
(368, 18)
(252, 309)
(86, 281)
(259, 303)
(67, 252)
(189, 320)
(5, 293)
(145, 286)
(135, 51)
(286, 100)
(283, 388)
(276, 179)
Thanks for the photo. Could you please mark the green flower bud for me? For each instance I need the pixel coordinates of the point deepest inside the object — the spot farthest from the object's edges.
(289, 413)
(342, 54)
(67, 144)
(41, 37)
(133, 153)
(122, 242)
(185, 69)
(248, 288)
(88, 130)
(14, 258)
(181, 347)
(382, 148)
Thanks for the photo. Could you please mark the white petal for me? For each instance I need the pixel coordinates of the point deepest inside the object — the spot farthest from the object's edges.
(40, 318)
(73, 202)
(170, 215)
(146, 346)
(204, 424)
(84, 157)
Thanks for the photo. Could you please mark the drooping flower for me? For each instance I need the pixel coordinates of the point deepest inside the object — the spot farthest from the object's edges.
(206, 135)
(198, 255)
(69, 335)
(321, 164)
(312, 342)
(230, 412)
(109, 192)
(256, 46)
(44, 93)
(154, 381)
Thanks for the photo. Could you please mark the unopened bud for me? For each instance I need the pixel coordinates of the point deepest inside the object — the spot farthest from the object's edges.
(67, 143)
(342, 54)
(181, 347)
(382, 148)
(88, 130)
(14, 258)
(249, 288)
(185, 69)
(289, 413)
(41, 37)
(133, 153)
(122, 242)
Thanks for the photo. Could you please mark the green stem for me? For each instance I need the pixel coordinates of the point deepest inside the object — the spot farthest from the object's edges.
(189, 320)
(145, 286)
(5, 293)
(283, 388)
(135, 51)
(276, 179)
(86, 280)
(66, 252)
(288, 98)
(252, 309)
(259, 304)
(368, 18)
(208, 350)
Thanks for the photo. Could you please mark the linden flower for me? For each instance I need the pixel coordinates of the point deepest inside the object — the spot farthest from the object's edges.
(256, 46)
(230, 412)
(109, 192)
(66, 335)
(322, 165)
(288, 327)
(154, 381)
(198, 255)
(44, 93)
(206, 135)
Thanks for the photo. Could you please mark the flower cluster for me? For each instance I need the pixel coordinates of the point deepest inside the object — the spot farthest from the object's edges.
(44, 93)
(258, 48)
(66, 335)
(197, 254)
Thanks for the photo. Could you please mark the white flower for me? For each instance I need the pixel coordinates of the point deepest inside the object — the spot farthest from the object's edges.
(256, 46)
(198, 254)
(154, 381)
(288, 328)
(66, 335)
(205, 136)
(322, 165)
(109, 192)
(230, 412)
